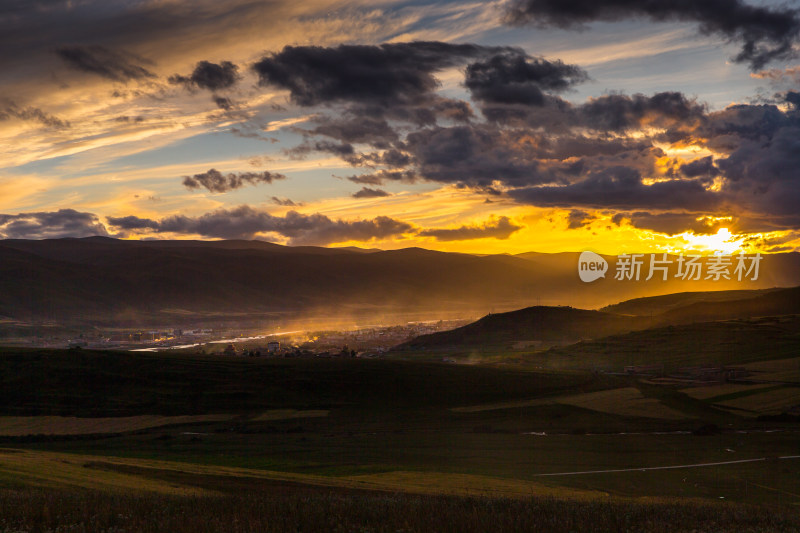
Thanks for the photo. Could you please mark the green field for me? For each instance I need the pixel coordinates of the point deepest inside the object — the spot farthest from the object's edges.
(404, 436)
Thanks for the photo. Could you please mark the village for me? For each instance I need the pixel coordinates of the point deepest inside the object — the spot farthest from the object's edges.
(356, 341)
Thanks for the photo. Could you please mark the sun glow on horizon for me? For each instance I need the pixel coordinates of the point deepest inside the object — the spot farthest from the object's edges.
(723, 242)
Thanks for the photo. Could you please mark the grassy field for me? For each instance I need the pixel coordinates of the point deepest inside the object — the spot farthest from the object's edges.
(785, 370)
(767, 401)
(627, 401)
(300, 509)
(69, 492)
(624, 401)
(402, 436)
(710, 392)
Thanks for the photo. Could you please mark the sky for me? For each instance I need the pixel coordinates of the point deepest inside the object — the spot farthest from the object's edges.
(479, 127)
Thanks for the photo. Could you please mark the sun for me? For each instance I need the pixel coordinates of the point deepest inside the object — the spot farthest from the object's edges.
(723, 242)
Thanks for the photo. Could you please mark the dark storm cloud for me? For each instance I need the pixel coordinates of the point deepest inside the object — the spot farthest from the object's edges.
(515, 79)
(216, 181)
(620, 188)
(117, 66)
(739, 123)
(499, 228)
(619, 112)
(475, 155)
(520, 154)
(765, 33)
(385, 75)
(703, 166)
(672, 223)
(355, 129)
(211, 76)
(244, 222)
(757, 160)
(340, 149)
(51, 225)
(535, 147)
(132, 223)
(391, 157)
(578, 219)
(366, 192)
(762, 143)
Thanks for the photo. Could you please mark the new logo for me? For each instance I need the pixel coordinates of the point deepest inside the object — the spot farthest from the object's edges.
(591, 266)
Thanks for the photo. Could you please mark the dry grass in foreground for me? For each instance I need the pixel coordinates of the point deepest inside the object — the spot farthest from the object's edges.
(315, 509)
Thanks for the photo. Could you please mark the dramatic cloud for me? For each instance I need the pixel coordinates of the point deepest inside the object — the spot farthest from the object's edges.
(244, 222)
(476, 155)
(619, 112)
(615, 152)
(216, 181)
(620, 188)
(211, 76)
(765, 34)
(703, 166)
(366, 192)
(504, 126)
(385, 75)
(51, 225)
(355, 129)
(496, 228)
(117, 66)
(515, 79)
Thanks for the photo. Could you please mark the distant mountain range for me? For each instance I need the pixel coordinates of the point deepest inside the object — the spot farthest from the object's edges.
(106, 281)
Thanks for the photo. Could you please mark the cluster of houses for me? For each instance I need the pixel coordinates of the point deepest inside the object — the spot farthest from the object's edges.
(274, 349)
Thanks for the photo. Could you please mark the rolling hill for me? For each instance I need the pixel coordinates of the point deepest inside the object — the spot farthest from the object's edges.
(533, 324)
(655, 305)
(772, 303)
(559, 325)
(729, 342)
